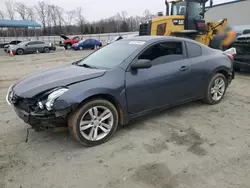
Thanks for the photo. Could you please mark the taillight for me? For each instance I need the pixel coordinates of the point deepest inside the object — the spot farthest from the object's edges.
(230, 56)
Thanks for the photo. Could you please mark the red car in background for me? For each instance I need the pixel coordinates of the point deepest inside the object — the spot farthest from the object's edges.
(67, 43)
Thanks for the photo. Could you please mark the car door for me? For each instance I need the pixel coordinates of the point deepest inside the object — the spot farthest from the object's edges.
(30, 47)
(86, 44)
(165, 83)
(40, 46)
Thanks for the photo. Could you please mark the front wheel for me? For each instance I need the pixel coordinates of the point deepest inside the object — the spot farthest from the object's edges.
(216, 89)
(20, 51)
(94, 123)
(67, 46)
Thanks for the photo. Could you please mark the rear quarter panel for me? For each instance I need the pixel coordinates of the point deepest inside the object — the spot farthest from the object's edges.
(205, 66)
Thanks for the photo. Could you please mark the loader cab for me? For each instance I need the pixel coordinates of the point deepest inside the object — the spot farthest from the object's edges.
(193, 12)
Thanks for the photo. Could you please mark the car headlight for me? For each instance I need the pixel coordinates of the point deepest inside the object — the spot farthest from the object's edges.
(51, 98)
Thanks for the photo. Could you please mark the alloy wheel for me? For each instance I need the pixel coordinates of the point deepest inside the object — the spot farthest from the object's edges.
(96, 123)
(218, 89)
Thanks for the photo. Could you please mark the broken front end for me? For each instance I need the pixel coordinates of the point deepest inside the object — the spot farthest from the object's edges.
(40, 112)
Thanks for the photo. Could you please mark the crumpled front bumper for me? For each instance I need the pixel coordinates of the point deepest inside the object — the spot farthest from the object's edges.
(43, 120)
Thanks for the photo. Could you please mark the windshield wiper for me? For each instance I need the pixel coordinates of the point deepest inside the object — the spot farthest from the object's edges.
(86, 66)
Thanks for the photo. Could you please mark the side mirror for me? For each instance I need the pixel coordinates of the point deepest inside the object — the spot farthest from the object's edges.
(141, 64)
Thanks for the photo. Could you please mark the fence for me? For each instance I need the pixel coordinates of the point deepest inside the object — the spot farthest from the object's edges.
(56, 39)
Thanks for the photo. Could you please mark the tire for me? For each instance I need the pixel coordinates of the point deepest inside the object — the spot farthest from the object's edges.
(209, 99)
(19, 51)
(83, 112)
(67, 46)
(46, 50)
(80, 48)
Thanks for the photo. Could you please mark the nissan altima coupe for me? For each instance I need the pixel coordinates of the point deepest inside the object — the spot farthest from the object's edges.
(119, 82)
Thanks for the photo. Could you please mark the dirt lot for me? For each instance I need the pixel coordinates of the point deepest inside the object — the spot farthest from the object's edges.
(191, 146)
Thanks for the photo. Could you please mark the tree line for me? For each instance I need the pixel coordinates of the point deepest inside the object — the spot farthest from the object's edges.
(55, 20)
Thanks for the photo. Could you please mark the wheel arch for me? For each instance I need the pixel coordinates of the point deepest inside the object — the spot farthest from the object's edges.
(20, 49)
(223, 70)
(107, 97)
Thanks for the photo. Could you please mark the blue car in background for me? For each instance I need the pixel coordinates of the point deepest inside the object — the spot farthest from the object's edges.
(86, 44)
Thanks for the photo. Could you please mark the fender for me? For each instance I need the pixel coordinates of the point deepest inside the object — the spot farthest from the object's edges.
(69, 100)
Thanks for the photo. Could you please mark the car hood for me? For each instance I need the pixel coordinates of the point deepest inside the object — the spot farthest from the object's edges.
(49, 79)
(244, 36)
(64, 37)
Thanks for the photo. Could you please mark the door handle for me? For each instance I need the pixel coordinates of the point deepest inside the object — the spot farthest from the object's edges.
(183, 68)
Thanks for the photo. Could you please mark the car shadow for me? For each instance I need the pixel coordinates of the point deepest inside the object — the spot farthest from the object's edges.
(175, 111)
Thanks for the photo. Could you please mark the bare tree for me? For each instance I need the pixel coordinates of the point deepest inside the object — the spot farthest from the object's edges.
(80, 18)
(2, 15)
(69, 18)
(124, 15)
(41, 13)
(31, 13)
(147, 14)
(60, 15)
(49, 17)
(22, 10)
(10, 6)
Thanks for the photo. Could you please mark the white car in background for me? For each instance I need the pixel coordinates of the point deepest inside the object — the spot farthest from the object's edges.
(12, 43)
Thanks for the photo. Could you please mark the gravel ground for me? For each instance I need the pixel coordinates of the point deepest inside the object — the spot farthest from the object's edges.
(190, 146)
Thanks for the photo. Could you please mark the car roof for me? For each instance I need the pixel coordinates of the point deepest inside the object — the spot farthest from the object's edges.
(159, 38)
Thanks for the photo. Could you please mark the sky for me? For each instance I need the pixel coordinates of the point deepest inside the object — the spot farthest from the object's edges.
(97, 9)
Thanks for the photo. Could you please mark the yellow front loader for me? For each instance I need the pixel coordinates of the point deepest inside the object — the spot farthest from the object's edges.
(185, 18)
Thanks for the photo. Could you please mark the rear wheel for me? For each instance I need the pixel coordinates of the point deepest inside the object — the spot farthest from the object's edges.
(94, 123)
(46, 50)
(20, 51)
(216, 89)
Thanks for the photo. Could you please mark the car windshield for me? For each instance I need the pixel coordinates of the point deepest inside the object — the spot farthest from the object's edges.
(111, 55)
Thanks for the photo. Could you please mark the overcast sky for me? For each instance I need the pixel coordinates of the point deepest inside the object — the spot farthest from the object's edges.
(97, 9)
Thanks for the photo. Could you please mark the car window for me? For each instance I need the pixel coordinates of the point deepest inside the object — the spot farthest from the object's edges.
(161, 29)
(40, 42)
(163, 52)
(13, 42)
(32, 43)
(107, 59)
(193, 50)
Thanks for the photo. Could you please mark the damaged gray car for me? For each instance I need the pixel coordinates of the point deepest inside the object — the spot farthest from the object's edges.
(119, 82)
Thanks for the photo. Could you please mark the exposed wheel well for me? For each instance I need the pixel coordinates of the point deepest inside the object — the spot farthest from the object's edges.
(224, 73)
(108, 98)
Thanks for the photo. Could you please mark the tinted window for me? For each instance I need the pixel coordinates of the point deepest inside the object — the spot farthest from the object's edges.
(161, 29)
(31, 43)
(39, 42)
(193, 50)
(164, 52)
(111, 55)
